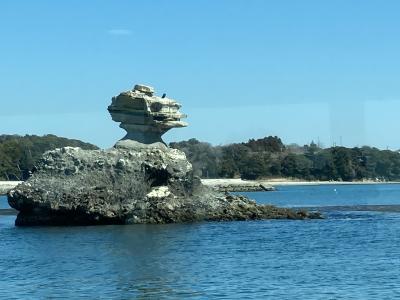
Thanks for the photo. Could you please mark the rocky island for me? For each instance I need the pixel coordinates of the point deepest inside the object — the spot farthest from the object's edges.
(139, 180)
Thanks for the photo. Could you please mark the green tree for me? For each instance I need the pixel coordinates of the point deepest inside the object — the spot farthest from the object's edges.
(19, 154)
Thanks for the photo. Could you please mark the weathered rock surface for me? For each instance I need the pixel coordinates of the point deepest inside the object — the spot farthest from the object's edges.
(5, 186)
(128, 184)
(237, 185)
(145, 116)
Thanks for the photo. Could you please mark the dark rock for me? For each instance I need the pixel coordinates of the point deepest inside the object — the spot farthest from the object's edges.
(128, 184)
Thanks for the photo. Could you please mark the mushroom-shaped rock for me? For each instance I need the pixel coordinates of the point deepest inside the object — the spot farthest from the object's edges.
(144, 116)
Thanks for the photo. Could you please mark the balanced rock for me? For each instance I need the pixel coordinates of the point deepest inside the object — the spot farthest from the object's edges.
(144, 116)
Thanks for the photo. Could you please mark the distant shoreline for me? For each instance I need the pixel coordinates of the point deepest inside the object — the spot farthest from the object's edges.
(284, 183)
(239, 185)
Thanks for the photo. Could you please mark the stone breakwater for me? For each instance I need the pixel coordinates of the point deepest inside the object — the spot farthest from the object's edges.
(132, 183)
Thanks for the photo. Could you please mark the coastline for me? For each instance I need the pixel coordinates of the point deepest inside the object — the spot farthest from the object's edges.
(239, 185)
(286, 183)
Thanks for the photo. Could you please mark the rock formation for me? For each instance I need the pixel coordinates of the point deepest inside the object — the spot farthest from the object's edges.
(144, 116)
(130, 183)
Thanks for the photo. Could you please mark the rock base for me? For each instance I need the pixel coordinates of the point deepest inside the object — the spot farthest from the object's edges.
(131, 183)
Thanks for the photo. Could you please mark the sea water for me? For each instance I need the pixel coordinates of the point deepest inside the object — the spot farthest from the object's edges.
(348, 255)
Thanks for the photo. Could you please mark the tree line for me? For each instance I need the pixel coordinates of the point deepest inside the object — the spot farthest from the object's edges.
(269, 157)
(20, 154)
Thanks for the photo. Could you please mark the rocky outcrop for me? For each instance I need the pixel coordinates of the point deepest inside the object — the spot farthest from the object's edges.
(140, 180)
(5, 186)
(129, 184)
(237, 185)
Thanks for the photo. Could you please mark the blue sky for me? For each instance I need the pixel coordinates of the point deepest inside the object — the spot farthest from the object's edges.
(302, 70)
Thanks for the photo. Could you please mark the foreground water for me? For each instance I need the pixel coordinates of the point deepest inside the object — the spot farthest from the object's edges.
(349, 255)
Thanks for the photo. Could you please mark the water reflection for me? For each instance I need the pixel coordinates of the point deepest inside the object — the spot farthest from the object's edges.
(153, 258)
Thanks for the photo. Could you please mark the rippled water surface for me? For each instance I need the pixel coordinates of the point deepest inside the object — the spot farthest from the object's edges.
(349, 255)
